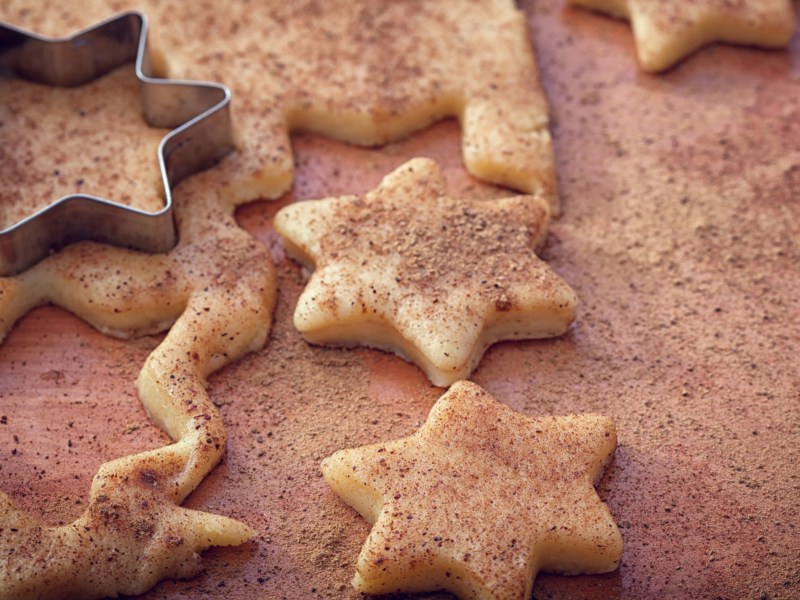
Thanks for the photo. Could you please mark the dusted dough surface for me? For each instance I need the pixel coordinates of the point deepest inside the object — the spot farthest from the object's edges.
(214, 293)
(40, 171)
(480, 499)
(435, 279)
(679, 234)
(666, 32)
(366, 72)
(375, 73)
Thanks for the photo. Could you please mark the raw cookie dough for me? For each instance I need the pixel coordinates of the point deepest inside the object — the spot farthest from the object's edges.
(364, 71)
(215, 293)
(668, 31)
(435, 279)
(480, 499)
(40, 170)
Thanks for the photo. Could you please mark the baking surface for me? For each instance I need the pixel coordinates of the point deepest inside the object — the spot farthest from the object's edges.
(680, 229)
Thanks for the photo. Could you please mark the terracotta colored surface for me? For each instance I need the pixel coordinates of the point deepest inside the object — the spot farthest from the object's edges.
(680, 235)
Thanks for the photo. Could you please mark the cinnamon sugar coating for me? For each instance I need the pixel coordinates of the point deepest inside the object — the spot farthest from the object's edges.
(480, 499)
(435, 279)
(36, 169)
(214, 293)
(667, 32)
(365, 72)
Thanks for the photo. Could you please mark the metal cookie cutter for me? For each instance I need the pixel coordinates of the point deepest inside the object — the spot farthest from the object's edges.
(198, 111)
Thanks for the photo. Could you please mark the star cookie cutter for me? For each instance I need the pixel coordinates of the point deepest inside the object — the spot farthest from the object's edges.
(197, 112)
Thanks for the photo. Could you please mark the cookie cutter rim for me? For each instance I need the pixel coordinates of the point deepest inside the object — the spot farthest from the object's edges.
(197, 112)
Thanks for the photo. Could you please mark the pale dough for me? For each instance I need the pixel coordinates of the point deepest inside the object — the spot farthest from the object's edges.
(375, 72)
(216, 291)
(668, 31)
(364, 71)
(32, 116)
(435, 279)
(480, 499)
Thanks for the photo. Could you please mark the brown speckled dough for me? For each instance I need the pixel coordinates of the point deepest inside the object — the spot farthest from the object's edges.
(433, 278)
(50, 135)
(679, 234)
(365, 71)
(214, 292)
(480, 499)
(668, 31)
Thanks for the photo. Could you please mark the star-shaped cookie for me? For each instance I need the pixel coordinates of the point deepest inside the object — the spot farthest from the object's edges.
(434, 279)
(480, 499)
(667, 32)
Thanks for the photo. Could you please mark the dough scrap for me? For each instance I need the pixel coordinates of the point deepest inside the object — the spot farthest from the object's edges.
(33, 115)
(435, 279)
(365, 72)
(215, 293)
(480, 499)
(667, 32)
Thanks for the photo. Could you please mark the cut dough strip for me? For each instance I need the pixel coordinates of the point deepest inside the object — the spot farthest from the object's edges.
(218, 287)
